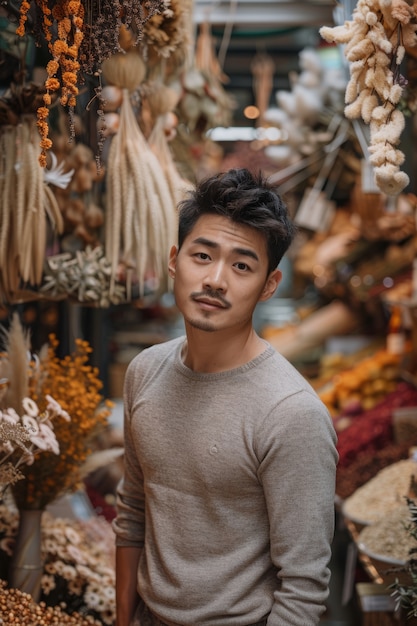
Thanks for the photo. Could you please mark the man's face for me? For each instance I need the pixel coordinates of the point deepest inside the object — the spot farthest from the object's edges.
(220, 273)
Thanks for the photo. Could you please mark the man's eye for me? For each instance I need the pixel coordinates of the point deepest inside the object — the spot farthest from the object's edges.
(202, 255)
(242, 266)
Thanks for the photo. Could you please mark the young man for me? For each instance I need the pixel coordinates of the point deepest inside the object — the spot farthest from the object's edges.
(226, 508)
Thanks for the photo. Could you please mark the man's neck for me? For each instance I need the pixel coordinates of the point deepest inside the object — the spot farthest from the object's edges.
(210, 352)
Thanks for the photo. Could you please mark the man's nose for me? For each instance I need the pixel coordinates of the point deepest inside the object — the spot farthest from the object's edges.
(216, 277)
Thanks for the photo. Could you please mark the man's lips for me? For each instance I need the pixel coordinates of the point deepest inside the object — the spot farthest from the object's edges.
(217, 304)
(210, 299)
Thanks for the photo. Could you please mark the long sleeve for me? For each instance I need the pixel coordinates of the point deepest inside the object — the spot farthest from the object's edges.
(129, 525)
(297, 471)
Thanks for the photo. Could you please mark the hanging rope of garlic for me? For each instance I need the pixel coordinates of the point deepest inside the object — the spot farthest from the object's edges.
(375, 43)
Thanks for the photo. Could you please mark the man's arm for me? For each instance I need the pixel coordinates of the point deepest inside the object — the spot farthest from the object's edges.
(127, 559)
(298, 476)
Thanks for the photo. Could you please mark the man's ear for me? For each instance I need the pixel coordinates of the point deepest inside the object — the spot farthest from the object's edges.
(172, 263)
(271, 285)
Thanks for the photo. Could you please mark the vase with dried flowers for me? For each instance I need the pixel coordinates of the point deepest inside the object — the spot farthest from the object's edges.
(75, 387)
(25, 432)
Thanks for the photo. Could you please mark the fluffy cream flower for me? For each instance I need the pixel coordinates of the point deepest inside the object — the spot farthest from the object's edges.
(392, 130)
(391, 182)
(368, 105)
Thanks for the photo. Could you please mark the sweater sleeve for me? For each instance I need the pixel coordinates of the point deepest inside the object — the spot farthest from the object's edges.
(298, 466)
(129, 523)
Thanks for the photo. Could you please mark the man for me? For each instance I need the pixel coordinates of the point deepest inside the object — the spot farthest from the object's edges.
(225, 511)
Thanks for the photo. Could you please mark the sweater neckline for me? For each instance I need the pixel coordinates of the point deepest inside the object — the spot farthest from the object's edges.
(236, 371)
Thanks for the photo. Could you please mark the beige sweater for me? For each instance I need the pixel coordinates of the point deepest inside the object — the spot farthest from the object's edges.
(229, 488)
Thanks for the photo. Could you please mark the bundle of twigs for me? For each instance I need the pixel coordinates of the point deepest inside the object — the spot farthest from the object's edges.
(27, 206)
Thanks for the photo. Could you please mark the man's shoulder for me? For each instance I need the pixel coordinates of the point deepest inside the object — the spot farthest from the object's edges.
(158, 351)
(284, 377)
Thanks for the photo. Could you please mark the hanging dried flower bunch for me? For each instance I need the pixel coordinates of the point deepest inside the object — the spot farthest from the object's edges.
(80, 35)
(167, 35)
(29, 210)
(375, 41)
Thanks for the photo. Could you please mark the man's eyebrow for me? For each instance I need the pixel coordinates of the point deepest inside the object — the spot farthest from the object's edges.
(212, 244)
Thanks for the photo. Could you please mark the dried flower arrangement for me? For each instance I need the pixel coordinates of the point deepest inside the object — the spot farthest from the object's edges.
(78, 572)
(24, 437)
(25, 430)
(75, 385)
(204, 102)
(80, 35)
(375, 43)
(85, 276)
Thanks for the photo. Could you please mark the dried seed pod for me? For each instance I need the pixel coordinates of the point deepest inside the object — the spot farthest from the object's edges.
(126, 70)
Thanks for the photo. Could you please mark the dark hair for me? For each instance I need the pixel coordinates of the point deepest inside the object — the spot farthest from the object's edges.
(245, 198)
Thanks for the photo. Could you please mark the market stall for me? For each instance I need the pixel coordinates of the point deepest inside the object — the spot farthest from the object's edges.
(101, 138)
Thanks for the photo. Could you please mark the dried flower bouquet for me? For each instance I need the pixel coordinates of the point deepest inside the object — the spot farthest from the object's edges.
(50, 383)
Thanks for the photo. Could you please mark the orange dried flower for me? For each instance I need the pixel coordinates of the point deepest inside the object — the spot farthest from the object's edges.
(23, 11)
(52, 67)
(46, 143)
(58, 11)
(59, 47)
(74, 6)
(78, 23)
(78, 37)
(69, 77)
(42, 127)
(52, 84)
(43, 113)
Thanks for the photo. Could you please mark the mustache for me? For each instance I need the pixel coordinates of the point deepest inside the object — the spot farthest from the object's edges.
(212, 294)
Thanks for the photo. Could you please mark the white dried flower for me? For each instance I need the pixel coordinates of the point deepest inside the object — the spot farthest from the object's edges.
(353, 111)
(368, 105)
(352, 91)
(30, 407)
(31, 425)
(380, 114)
(391, 182)
(382, 58)
(391, 131)
(395, 93)
(360, 50)
(385, 45)
(371, 18)
(336, 34)
(400, 55)
(56, 408)
(383, 153)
